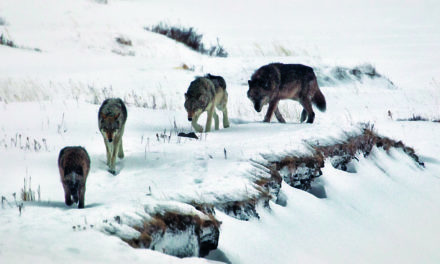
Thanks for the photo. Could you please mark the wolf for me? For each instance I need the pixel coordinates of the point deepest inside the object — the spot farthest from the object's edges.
(112, 116)
(74, 166)
(205, 94)
(277, 81)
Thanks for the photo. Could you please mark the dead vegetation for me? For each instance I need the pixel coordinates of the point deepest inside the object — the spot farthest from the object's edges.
(7, 42)
(23, 142)
(27, 194)
(189, 37)
(204, 231)
(300, 171)
(331, 76)
(124, 41)
(419, 118)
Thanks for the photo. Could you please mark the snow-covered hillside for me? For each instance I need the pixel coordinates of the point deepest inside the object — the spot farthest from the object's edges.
(69, 61)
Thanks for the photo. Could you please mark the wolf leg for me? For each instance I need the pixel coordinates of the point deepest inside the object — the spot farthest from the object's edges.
(217, 124)
(209, 118)
(67, 195)
(114, 152)
(82, 192)
(107, 151)
(195, 125)
(308, 107)
(303, 115)
(279, 116)
(272, 106)
(225, 117)
(121, 150)
(223, 107)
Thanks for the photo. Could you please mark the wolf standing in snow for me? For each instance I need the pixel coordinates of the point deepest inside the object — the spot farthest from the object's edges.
(205, 94)
(74, 166)
(274, 82)
(111, 120)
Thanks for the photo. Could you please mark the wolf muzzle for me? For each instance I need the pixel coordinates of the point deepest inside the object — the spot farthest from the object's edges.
(110, 137)
(190, 116)
(258, 107)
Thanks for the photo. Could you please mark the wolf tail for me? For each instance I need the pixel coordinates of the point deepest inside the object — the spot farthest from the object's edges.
(319, 99)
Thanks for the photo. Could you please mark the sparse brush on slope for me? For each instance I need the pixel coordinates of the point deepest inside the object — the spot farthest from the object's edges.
(189, 37)
(300, 171)
(331, 76)
(200, 235)
(418, 118)
(6, 42)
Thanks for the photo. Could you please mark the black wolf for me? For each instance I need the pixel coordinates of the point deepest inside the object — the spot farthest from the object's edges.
(74, 166)
(274, 82)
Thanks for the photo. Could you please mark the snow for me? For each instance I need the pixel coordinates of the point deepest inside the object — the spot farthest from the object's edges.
(386, 211)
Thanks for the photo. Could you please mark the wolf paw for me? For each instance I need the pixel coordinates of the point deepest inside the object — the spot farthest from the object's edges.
(112, 171)
(198, 129)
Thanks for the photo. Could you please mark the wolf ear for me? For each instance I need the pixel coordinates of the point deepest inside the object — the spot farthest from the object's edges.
(249, 82)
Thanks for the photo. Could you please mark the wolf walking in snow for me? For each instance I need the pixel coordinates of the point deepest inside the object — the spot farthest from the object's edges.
(74, 166)
(276, 81)
(205, 94)
(111, 120)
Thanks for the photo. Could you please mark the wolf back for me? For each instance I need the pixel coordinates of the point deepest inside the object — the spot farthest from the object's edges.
(74, 167)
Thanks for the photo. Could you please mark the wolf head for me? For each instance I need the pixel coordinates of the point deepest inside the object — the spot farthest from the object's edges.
(195, 104)
(263, 86)
(109, 126)
(259, 93)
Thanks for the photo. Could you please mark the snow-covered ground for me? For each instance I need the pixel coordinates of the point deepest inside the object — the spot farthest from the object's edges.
(386, 211)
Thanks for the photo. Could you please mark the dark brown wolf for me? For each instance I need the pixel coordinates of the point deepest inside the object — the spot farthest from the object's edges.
(111, 121)
(274, 82)
(74, 166)
(205, 94)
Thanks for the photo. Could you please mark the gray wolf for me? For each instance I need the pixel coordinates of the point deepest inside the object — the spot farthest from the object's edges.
(276, 81)
(74, 166)
(205, 94)
(111, 120)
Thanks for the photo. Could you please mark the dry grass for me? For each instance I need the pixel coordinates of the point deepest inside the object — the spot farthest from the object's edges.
(189, 37)
(6, 42)
(27, 194)
(302, 170)
(242, 210)
(363, 144)
(124, 41)
(418, 118)
(172, 221)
